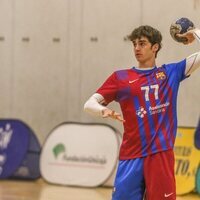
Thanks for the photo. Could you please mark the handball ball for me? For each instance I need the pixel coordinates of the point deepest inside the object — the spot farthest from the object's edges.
(181, 26)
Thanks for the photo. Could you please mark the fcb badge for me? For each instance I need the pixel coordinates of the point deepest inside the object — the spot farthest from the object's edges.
(160, 75)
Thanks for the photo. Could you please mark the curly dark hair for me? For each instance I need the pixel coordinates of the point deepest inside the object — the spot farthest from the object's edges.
(153, 35)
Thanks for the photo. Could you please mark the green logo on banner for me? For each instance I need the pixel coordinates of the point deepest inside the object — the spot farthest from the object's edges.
(58, 149)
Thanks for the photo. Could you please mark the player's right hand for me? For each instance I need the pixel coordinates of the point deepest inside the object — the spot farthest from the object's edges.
(189, 35)
(112, 114)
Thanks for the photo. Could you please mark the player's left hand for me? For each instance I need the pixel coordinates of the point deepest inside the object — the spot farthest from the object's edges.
(189, 35)
(112, 114)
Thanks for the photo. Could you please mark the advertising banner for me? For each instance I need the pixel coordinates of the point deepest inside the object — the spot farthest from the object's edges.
(187, 160)
(14, 142)
(19, 151)
(29, 168)
(80, 154)
(197, 145)
(111, 179)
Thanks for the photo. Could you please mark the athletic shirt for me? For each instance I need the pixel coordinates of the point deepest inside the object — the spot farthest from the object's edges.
(148, 101)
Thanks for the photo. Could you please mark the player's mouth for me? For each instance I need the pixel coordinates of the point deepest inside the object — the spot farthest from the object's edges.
(138, 55)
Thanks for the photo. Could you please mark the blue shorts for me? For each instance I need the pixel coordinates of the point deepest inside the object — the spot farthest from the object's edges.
(151, 176)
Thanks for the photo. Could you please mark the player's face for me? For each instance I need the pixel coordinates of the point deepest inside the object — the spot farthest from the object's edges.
(144, 50)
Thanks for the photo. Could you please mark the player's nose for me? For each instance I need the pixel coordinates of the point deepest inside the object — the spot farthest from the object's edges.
(137, 47)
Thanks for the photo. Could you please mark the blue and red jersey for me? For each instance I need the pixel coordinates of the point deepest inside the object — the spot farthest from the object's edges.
(148, 100)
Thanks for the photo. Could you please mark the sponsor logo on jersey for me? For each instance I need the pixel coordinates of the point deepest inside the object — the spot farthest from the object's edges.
(158, 108)
(132, 81)
(141, 112)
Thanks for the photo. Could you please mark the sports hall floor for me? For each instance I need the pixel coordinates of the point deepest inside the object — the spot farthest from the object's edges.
(40, 190)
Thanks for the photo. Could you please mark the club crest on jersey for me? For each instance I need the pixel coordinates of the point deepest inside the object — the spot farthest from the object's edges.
(160, 75)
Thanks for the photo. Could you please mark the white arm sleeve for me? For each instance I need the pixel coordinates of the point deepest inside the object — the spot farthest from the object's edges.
(193, 61)
(94, 105)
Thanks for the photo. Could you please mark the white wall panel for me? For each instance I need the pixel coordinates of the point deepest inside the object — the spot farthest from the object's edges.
(6, 65)
(40, 63)
(74, 108)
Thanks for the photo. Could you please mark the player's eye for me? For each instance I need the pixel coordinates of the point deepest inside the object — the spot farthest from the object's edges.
(142, 44)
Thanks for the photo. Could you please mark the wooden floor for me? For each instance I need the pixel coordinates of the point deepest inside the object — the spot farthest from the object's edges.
(40, 190)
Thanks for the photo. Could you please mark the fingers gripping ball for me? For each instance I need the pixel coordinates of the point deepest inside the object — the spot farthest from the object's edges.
(181, 26)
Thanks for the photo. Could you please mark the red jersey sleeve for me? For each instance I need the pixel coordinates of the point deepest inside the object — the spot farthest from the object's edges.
(109, 89)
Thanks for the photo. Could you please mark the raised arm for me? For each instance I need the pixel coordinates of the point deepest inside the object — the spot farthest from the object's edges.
(192, 61)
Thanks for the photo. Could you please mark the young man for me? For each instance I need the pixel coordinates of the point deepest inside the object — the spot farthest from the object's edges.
(147, 95)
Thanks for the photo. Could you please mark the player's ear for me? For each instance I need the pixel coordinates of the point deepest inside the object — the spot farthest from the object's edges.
(155, 47)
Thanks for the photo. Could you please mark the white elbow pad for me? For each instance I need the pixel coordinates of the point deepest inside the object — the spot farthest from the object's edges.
(197, 34)
(193, 61)
(94, 104)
